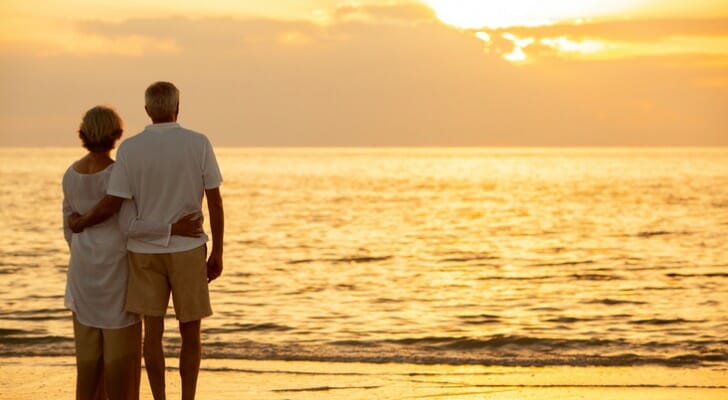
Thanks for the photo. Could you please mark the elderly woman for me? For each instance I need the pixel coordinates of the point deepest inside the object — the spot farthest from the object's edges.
(108, 339)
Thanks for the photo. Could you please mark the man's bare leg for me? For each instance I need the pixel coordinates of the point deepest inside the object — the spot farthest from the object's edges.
(189, 357)
(154, 355)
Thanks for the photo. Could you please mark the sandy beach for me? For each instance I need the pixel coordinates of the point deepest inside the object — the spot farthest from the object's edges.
(53, 377)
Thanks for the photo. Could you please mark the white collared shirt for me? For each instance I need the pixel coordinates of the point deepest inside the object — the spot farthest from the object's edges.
(165, 169)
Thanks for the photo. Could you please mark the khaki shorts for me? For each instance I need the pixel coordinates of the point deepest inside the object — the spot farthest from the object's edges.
(153, 276)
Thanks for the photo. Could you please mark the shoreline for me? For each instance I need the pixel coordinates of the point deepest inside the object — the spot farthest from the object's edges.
(54, 377)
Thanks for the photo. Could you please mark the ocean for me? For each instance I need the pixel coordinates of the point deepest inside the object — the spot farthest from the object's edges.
(489, 256)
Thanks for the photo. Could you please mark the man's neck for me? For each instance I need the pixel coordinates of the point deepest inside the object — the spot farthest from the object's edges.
(163, 121)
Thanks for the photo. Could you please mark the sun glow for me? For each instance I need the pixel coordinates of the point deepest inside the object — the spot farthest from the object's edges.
(565, 45)
(500, 14)
(517, 55)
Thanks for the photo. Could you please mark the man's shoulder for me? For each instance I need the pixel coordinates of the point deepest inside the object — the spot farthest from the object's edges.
(133, 140)
(192, 133)
(179, 134)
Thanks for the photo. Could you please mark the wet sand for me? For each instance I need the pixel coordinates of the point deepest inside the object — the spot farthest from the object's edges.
(54, 378)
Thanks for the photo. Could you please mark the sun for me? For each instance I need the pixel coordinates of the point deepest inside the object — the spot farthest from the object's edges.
(504, 13)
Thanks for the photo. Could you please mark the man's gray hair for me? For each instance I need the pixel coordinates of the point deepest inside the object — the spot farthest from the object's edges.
(161, 100)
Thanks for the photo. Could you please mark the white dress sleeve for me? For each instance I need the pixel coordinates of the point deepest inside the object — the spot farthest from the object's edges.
(67, 211)
(152, 232)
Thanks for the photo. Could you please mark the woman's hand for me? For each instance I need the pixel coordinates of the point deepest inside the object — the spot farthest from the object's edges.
(74, 222)
(190, 225)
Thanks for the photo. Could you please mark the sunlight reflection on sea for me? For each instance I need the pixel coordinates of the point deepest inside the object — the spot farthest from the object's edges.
(492, 256)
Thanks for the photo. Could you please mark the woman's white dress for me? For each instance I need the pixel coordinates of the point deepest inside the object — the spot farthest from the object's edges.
(98, 270)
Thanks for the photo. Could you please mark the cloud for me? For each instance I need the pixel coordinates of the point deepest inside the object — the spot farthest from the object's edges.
(408, 12)
(223, 32)
(611, 39)
(637, 30)
(363, 82)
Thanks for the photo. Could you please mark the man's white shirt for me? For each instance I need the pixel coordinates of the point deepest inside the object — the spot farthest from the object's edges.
(165, 169)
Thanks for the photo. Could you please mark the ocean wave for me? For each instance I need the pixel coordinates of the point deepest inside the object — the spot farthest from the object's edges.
(649, 234)
(613, 302)
(563, 263)
(42, 314)
(660, 321)
(467, 258)
(568, 320)
(500, 341)
(40, 345)
(503, 350)
(706, 275)
(596, 277)
(519, 278)
(522, 352)
(14, 332)
(341, 260)
(482, 319)
(265, 327)
(373, 355)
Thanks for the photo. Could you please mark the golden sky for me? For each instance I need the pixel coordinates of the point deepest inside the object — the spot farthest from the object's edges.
(337, 72)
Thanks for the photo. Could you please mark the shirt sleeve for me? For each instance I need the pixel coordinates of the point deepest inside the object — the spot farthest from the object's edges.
(119, 183)
(153, 232)
(211, 176)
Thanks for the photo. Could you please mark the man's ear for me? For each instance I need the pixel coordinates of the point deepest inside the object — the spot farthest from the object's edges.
(176, 112)
(147, 111)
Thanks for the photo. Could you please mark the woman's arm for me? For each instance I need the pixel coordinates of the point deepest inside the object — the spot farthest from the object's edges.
(155, 232)
(67, 211)
(105, 208)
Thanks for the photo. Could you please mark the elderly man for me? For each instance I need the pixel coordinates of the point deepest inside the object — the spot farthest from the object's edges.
(166, 169)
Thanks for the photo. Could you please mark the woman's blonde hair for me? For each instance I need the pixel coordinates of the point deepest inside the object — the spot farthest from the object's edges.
(100, 128)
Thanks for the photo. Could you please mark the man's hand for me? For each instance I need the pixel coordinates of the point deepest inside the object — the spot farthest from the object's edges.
(190, 225)
(217, 227)
(214, 267)
(74, 222)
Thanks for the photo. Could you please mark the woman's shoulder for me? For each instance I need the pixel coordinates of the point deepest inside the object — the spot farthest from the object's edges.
(73, 179)
(86, 166)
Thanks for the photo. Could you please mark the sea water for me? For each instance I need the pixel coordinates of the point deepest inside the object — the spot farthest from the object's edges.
(424, 255)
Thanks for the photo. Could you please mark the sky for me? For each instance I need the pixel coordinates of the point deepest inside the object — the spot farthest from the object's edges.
(374, 73)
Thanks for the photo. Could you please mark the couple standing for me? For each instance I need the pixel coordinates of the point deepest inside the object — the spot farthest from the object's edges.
(147, 202)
